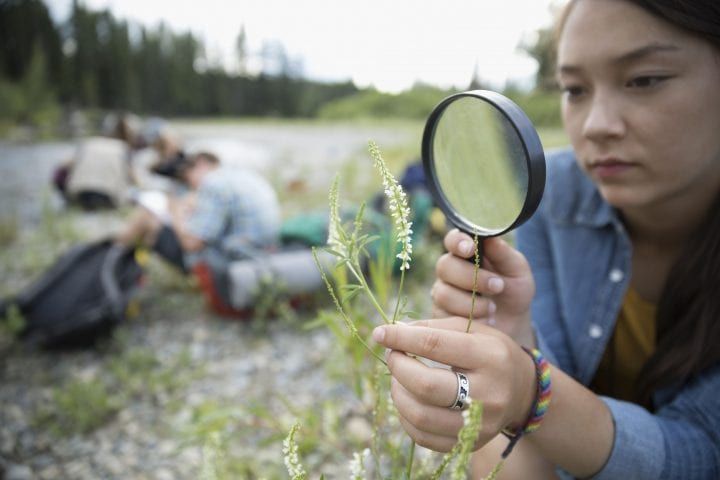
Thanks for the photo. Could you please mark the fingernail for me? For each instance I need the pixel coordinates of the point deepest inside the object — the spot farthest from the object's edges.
(492, 308)
(378, 334)
(466, 247)
(496, 284)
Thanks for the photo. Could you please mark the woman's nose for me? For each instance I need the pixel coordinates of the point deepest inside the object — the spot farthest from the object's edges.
(604, 120)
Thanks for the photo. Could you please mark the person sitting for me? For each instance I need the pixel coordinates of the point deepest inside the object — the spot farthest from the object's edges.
(228, 214)
(100, 173)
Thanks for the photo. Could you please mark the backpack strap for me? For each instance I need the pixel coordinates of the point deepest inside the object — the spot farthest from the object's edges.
(109, 280)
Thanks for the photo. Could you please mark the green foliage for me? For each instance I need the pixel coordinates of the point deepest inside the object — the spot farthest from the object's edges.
(542, 49)
(38, 248)
(542, 107)
(13, 322)
(78, 407)
(85, 404)
(57, 228)
(349, 244)
(8, 230)
(553, 137)
(415, 103)
(137, 372)
(31, 100)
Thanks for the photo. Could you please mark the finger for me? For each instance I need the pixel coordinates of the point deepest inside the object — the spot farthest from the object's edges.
(451, 347)
(428, 418)
(459, 302)
(459, 243)
(438, 312)
(430, 385)
(456, 324)
(505, 259)
(438, 443)
(460, 273)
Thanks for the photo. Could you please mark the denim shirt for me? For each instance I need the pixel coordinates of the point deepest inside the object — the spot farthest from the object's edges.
(580, 255)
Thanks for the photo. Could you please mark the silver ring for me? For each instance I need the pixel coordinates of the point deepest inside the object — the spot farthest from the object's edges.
(463, 392)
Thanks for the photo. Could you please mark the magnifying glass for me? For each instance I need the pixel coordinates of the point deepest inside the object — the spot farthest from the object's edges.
(484, 163)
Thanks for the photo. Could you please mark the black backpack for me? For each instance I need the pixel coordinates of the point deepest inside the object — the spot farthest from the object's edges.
(80, 298)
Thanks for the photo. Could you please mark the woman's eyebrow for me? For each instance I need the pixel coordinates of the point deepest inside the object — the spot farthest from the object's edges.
(646, 51)
(628, 57)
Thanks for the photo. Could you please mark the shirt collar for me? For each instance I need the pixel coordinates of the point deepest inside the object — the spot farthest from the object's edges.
(574, 199)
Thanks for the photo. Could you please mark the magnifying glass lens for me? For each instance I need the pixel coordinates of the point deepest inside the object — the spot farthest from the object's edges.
(480, 165)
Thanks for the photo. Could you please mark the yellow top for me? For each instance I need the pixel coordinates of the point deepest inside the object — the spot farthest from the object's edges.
(629, 348)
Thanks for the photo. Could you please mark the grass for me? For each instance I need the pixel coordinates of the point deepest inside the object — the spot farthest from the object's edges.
(553, 137)
(9, 230)
(80, 406)
(126, 374)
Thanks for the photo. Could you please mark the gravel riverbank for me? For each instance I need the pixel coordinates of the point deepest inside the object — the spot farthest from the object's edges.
(138, 407)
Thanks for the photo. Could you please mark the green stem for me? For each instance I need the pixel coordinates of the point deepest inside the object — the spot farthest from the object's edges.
(495, 471)
(474, 288)
(447, 458)
(361, 278)
(348, 321)
(399, 296)
(408, 472)
(374, 353)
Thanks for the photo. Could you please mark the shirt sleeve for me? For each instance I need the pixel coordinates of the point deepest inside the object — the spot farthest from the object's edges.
(680, 441)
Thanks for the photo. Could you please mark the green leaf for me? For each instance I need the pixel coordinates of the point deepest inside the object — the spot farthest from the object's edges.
(334, 253)
(351, 287)
(346, 297)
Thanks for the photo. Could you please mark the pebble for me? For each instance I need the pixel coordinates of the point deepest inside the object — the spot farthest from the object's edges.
(18, 472)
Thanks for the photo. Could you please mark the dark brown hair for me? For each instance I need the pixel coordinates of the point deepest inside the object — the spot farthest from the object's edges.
(186, 163)
(688, 314)
(208, 157)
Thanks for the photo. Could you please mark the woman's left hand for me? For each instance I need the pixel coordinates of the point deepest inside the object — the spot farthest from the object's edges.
(500, 374)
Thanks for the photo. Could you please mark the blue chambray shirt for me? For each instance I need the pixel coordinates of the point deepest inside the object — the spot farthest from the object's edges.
(236, 212)
(580, 255)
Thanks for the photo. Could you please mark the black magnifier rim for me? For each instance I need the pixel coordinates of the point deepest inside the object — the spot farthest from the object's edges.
(534, 158)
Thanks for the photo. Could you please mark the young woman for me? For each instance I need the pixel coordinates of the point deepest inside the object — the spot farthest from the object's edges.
(618, 282)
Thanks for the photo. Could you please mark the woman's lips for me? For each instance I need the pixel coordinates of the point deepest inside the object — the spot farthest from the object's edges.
(609, 168)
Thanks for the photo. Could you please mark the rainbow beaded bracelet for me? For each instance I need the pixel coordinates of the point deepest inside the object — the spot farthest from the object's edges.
(540, 403)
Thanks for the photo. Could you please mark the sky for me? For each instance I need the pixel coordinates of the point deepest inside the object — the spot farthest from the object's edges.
(388, 44)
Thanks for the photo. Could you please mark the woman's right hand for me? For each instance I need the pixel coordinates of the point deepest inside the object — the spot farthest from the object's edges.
(505, 285)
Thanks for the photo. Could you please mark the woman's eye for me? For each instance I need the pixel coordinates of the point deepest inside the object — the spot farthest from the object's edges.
(646, 81)
(573, 91)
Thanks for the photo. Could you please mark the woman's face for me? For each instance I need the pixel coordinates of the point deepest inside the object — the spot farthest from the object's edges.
(641, 104)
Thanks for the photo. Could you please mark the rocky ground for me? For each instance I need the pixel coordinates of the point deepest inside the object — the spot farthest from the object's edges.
(146, 436)
(158, 399)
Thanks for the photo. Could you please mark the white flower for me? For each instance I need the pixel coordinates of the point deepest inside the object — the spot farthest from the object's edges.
(398, 206)
(290, 453)
(357, 465)
(335, 226)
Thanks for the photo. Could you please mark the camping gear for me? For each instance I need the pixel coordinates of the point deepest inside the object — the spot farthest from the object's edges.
(290, 274)
(82, 297)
